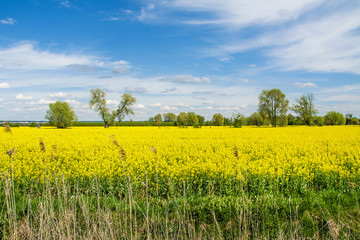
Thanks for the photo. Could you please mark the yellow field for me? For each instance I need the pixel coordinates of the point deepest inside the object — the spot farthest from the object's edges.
(190, 154)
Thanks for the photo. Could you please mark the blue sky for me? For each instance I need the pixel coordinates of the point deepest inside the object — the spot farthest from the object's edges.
(204, 56)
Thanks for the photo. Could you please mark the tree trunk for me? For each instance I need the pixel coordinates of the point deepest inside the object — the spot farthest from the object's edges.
(106, 124)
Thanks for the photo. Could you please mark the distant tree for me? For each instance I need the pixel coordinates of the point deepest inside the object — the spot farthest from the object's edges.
(255, 119)
(181, 119)
(158, 118)
(273, 104)
(60, 114)
(125, 107)
(239, 120)
(151, 119)
(334, 118)
(169, 117)
(319, 121)
(201, 120)
(191, 119)
(292, 120)
(228, 121)
(98, 101)
(305, 108)
(351, 120)
(32, 124)
(218, 119)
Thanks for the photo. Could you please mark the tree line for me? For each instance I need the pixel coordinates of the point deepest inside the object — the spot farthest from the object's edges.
(273, 108)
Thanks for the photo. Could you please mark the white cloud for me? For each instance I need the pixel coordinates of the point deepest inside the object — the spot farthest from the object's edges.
(25, 56)
(205, 108)
(73, 102)
(229, 13)
(4, 85)
(252, 66)
(112, 102)
(167, 108)
(155, 105)
(44, 101)
(8, 21)
(180, 105)
(326, 42)
(22, 97)
(186, 79)
(305, 85)
(1, 99)
(139, 106)
(58, 95)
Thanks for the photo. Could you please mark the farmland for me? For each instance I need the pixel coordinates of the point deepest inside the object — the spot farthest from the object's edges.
(211, 182)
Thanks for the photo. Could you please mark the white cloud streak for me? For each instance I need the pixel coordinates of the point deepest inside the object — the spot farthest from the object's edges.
(9, 21)
(22, 97)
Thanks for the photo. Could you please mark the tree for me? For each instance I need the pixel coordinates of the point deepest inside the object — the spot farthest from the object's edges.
(181, 119)
(169, 117)
(305, 108)
(201, 120)
(255, 119)
(124, 108)
(191, 119)
(158, 119)
(273, 104)
(334, 118)
(228, 121)
(239, 120)
(60, 114)
(98, 101)
(351, 120)
(319, 121)
(218, 119)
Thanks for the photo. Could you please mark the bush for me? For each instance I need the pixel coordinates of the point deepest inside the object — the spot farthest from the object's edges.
(319, 121)
(334, 118)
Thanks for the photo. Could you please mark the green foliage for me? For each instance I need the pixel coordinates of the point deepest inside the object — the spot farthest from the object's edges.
(239, 120)
(334, 118)
(305, 108)
(218, 119)
(319, 121)
(181, 119)
(255, 119)
(191, 119)
(294, 120)
(169, 117)
(201, 120)
(272, 103)
(32, 124)
(98, 101)
(60, 114)
(351, 120)
(124, 108)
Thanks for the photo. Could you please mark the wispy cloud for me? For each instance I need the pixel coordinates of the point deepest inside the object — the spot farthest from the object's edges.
(81, 68)
(121, 67)
(305, 85)
(58, 95)
(228, 13)
(8, 21)
(136, 90)
(186, 79)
